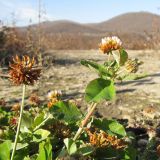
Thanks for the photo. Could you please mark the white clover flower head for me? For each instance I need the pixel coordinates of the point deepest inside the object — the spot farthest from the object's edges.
(49, 95)
(109, 44)
(104, 40)
(117, 40)
(54, 94)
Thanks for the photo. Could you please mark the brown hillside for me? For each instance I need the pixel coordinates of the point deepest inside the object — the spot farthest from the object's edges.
(137, 22)
(138, 30)
(65, 26)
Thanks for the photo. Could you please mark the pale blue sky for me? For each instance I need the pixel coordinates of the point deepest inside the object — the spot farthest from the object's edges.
(83, 11)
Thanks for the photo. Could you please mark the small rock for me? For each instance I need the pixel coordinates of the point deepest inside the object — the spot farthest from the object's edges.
(142, 143)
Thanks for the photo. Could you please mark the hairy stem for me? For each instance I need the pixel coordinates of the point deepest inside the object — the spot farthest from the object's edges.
(19, 123)
(85, 121)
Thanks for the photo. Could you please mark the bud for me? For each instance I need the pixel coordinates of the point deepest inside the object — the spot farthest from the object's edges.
(132, 65)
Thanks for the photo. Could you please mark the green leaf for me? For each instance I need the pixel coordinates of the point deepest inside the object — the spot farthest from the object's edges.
(110, 125)
(38, 120)
(21, 146)
(62, 153)
(40, 135)
(99, 89)
(123, 57)
(120, 57)
(45, 151)
(71, 146)
(116, 57)
(66, 111)
(21, 154)
(101, 69)
(5, 150)
(130, 153)
(87, 150)
(106, 153)
(102, 124)
(27, 120)
(26, 158)
(117, 128)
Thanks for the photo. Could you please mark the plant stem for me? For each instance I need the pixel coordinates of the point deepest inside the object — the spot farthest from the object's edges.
(120, 72)
(109, 56)
(19, 123)
(84, 122)
(41, 124)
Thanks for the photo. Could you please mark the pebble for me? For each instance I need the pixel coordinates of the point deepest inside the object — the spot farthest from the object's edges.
(142, 142)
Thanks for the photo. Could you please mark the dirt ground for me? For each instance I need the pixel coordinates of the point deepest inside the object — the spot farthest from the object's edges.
(136, 100)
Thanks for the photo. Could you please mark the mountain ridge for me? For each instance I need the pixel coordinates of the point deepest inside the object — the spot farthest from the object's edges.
(118, 22)
(136, 28)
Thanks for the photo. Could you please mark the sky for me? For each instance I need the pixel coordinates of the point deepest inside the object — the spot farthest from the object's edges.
(25, 12)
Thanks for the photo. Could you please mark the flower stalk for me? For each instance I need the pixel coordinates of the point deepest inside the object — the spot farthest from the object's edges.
(85, 121)
(19, 123)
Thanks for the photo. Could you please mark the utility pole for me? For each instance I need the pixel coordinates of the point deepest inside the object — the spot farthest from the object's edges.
(39, 33)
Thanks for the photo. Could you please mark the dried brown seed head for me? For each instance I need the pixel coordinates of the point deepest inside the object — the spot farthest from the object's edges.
(15, 107)
(132, 65)
(23, 72)
(103, 139)
(2, 102)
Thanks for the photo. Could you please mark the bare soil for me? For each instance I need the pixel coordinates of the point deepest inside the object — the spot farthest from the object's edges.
(137, 101)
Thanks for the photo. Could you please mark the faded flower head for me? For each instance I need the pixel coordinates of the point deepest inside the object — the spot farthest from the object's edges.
(109, 44)
(2, 102)
(102, 139)
(52, 102)
(60, 130)
(132, 65)
(13, 121)
(23, 72)
(34, 100)
(15, 107)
